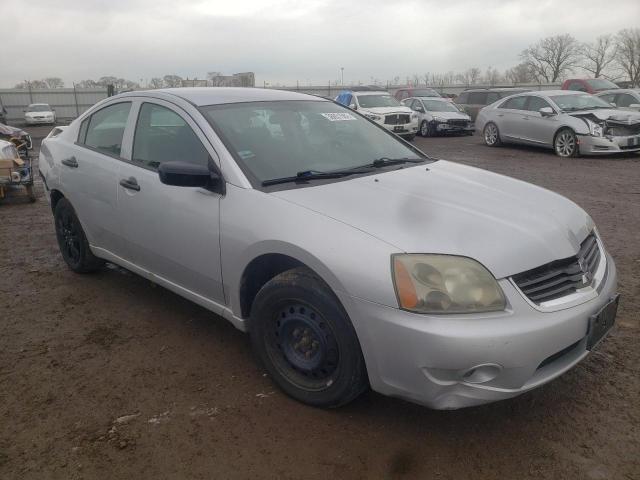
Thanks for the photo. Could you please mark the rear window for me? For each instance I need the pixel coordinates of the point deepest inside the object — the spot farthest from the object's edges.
(477, 98)
(105, 128)
(601, 84)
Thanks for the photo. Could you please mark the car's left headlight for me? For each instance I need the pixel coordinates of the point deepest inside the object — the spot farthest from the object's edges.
(440, 119)
(375, 118)
(430, 283)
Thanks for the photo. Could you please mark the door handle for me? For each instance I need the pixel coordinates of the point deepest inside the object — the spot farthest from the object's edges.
(70, 162)
(525, 118)
(499, 114)
(130, 183)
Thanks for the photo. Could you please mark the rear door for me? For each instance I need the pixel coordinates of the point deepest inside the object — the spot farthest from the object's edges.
(89, 174)
(171, 232)
(475, 101)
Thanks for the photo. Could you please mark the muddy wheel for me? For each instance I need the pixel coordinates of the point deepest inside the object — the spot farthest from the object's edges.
(491, 135)
(72, 240)
(566, 143)
(306, 341)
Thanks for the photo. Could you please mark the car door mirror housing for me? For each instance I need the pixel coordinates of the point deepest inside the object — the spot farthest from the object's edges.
(184, 174)
(613, 104)
(546, 111)
(353, 106)
(634, 105)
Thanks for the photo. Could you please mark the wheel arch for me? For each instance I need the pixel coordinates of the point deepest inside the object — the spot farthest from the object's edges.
(55, 195)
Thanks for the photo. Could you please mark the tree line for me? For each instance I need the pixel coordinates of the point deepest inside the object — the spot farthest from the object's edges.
(615, 57)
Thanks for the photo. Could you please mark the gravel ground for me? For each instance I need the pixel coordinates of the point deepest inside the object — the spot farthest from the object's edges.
(107, 376)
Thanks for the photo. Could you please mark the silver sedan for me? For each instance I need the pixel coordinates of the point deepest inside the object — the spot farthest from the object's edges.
(572, 123)
(351, 258)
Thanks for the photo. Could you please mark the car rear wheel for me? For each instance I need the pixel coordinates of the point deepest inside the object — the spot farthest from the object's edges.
(566, 143)
(305, 340)
(491, 135)
(72, 240)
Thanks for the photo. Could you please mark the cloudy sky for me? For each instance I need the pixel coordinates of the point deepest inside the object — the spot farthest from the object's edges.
(286, 40)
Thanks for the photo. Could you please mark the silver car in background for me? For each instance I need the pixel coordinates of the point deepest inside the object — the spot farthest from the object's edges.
(572, 123)
(438, 116)
(351, 258)
(622, 98)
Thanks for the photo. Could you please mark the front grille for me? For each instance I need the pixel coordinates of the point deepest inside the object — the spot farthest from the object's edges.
(396, 119)
(623, 130)
(458, 123)
(561, 277)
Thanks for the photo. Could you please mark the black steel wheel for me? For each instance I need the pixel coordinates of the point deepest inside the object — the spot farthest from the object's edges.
(72, 240)
(305, 340)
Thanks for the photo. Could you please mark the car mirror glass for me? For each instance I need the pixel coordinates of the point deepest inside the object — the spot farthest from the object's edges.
(546, 111)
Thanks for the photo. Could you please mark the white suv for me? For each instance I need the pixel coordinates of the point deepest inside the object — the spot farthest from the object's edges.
(383, 109)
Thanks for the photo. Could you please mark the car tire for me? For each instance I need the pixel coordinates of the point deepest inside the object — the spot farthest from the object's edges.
(491, 135)
(72, 241)
(426, 129)
(565, 143)
(305, 340)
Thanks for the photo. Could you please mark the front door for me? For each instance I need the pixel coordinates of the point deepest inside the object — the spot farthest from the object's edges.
(171, 232)
(539, 129)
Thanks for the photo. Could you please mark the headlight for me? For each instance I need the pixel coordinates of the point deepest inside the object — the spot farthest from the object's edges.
(440, 119)
(445, 284)
(373, 117)
(595, 129)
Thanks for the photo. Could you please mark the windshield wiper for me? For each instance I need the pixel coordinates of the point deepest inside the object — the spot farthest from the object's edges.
(385, 161)
(309, 175)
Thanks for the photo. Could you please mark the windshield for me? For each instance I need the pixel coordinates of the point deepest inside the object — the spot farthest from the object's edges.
(39, 108)
(425, 92)
(601, 84)
(585, 101)
(279, 139)
(373, 101)
(438, 106)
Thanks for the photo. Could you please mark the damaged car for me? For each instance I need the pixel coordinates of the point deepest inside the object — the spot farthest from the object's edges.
(17, 136)
(572, 123)
(438, 116)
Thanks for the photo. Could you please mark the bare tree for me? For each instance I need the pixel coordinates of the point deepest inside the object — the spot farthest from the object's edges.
(172, 80)
(552, 57)
(521, 73)
(156, 82)
(106, 80)
(597, 56)
(54, 82)
(87, 84)
(628, 53)
(492, 76)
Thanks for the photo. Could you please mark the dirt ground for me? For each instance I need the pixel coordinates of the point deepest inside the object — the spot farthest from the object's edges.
(107, 376)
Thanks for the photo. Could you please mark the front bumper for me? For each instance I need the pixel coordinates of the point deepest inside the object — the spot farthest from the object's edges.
(410, 128)
(38, 121)
(425, 358)
(448, 128)
(590, 145)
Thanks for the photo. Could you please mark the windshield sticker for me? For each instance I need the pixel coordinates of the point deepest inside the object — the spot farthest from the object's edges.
(245, 154)
(338, 117)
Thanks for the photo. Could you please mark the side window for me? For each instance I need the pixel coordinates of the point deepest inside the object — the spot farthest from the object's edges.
(462, 98)
(82, 133)
(477, 98)
(576, 86)
(625, 100)
(492, 97)
(105, 128)
(404, 94)
(536, 103)
(515, 103)
(609, 98)
(163, 136)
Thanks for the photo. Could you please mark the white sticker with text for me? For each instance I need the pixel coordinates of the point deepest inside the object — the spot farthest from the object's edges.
(338, 117)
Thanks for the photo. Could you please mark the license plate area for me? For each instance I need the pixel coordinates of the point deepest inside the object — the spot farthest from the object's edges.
(398, 128)
(601, 322)
(633, 141)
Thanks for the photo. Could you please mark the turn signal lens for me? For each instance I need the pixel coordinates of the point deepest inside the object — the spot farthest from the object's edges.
(404, 286)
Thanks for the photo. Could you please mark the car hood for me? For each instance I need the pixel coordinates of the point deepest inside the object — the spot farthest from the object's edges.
(449, 115)
(38, 114)
(387, 110)
(621, 116)
(507, 225)
(12, 131)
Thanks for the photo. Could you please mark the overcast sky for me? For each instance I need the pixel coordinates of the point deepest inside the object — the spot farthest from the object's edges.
(286, 40)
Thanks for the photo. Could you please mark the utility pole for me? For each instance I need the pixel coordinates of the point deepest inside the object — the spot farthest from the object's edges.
(342, 76)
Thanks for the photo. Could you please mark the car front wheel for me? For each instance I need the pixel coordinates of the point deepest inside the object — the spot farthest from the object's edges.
(566, 143)
(306, 341)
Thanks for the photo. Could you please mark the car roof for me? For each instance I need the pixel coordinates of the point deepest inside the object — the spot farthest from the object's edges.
(435, 99)
(618, 90)
(378, 92)
(200, 96)
(497, 89)
(35, 104)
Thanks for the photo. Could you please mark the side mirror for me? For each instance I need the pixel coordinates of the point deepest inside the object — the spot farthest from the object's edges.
(184, 174)
(546, 111)
(613, 104)
(634, 105)
(353, 106)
